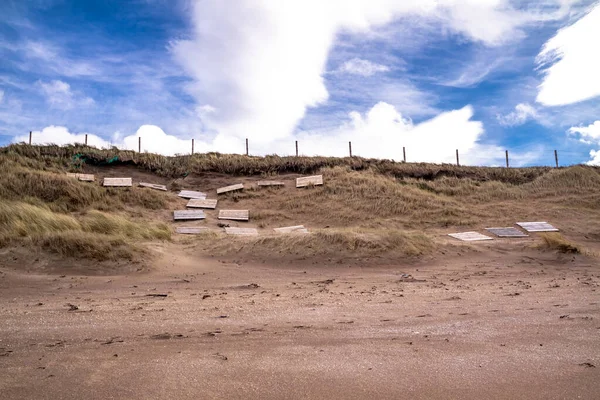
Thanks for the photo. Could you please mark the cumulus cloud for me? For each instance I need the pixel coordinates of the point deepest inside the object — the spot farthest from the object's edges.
(59, 95)
(154, 140)
(589, 135)
(570, 63)
(260, 63)
(523, 112)
(358, 66)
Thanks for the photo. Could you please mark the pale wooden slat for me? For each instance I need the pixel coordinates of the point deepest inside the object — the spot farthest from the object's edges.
(234, 215)
(537, 227)
(271, 183)
(202, 203)
(118, 182)
(82, 177)
(241, 231)
(189, 194)
(309, 180)
(231, 188)
(470, 236)
(190, 230)
(153, 186)
(507, 232)
(292, 229)
(187, 215)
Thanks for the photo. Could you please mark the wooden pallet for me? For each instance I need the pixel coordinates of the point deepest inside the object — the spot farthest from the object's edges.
(188, 215)
(118, 182)
(292, 229)
(189, 194)
(270, 183)
(241, 231)
(153, 186)
(234, 215)
(309, 181)
(82, 177)
(231, 188)
(202, 203)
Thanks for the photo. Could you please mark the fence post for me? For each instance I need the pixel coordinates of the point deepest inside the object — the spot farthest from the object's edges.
(246, 146)
(86, 139)
(350, 148)
(457, 159)
(192, 146)
(556, 157)
(30, 138)
(404, 153)
(139, 144)
(296, 148)
(507, 166)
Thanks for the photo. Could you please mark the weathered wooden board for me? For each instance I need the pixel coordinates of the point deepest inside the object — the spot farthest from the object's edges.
(202, 203)
(241, 231)
(234, 215)
(191, 230)
(189, 194)
(537, 227)
(188, 215)
(470, 236)
(271, 183)
(292, 229)
(118, 182)
(309, 180)
(82, 177)
(231, 188)
(508, 232)
(153, 186)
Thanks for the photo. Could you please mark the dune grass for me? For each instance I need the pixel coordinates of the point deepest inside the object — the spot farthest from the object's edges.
(557, 242)
(94, 235)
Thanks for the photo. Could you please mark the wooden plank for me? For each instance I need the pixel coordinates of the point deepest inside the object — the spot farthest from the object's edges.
(234, 215)
(188, 215)
(271, 183)
(231, 188)
(191, 230)
(189, 194)
(118, 182)
(508, 232)
(470, 236)
(241, 231)
(537, 227)
(82, 177)
(292, 229)
(309, 181)
(153, 186)
(202, 203)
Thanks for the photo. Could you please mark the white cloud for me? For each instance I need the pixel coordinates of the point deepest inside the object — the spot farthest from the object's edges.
(381, 132)
(357, 66)
(588, 134)
(595, 158)
(523, 112)
(61, 136)
(59, 95)
(1, 95)
(572, 63)
(260, 63)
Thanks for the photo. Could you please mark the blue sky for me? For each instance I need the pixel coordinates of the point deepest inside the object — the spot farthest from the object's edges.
(480, 76)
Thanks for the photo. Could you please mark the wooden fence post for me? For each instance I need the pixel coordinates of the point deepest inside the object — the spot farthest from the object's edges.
(139, 144)
(246, 146)
(350, 148)
(30, 138)
(507, 166)
(404, 153)
(457, 159)
(556, 157)
(86, 139)
(192, 146)
(296, 148)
